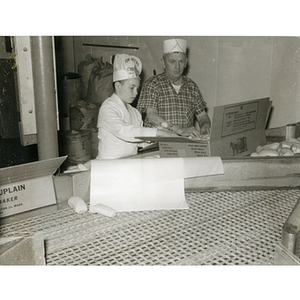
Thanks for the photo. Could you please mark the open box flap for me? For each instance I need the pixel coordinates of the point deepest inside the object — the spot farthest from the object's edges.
(180, 139)
(30, 170)
(237, 118)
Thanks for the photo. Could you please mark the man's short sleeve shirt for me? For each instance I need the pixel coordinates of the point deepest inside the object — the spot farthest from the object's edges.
(179, 109)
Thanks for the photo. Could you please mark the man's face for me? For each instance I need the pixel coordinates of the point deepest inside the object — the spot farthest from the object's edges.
(174, 64)
(128, 89)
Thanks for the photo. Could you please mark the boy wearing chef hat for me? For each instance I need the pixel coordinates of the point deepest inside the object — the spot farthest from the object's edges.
(171, 99)
(118, 122)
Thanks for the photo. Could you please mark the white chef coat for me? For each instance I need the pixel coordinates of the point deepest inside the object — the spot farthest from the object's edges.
(118, 126)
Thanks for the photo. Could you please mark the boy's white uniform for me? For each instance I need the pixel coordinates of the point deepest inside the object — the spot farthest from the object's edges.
(117, 128)
(118, 124)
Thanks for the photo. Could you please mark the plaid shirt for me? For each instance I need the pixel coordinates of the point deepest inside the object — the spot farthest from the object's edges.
(179, 109)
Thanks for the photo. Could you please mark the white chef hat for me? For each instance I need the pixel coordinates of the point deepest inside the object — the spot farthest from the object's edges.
(175, 45)
(126, 67)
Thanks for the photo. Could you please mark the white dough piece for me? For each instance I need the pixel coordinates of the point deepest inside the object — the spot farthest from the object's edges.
(78, 168)
(82, 167)
(78, 204)
(104, 210)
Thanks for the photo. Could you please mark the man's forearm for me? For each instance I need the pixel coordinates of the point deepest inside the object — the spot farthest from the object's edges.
(203, 118)
(204, 123)
(155, 118)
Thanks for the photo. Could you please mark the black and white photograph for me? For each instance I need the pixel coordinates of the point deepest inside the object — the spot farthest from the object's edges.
(150, 162)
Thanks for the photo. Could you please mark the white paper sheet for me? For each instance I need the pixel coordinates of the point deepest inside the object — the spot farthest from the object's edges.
(202, 166)
(146, 184)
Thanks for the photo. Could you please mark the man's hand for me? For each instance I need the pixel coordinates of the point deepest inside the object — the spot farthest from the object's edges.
(204, 123)
(205, 129)
(190, 131)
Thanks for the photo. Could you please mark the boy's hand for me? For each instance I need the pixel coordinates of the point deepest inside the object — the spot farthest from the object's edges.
(166, 133)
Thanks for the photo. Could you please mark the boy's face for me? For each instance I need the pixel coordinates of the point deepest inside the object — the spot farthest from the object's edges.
(128, 89)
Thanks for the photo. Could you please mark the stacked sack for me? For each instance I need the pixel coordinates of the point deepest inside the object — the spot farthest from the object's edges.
(80, 143)
(96, 80)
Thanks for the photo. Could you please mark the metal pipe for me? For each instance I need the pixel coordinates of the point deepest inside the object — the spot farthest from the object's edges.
(288, 237)
(44, 94)
(291, 228)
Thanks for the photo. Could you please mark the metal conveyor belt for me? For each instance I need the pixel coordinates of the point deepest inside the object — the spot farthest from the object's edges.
(219, 228)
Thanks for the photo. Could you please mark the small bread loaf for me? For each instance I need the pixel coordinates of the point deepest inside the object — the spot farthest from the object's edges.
(78, 204)
(268, 152)
(104, 210)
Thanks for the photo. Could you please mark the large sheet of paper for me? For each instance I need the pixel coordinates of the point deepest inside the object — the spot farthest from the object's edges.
(146, 184)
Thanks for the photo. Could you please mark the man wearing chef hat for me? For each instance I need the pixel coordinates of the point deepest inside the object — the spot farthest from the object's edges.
(118, 122)
(172, 100)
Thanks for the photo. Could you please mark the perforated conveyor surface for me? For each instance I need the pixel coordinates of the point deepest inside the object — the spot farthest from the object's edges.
(219, 228)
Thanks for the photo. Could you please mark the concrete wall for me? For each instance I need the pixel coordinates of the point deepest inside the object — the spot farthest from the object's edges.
(226, 69)
(285, 81)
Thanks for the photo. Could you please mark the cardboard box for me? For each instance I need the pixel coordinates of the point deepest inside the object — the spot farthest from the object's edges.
(28, 186)
(72, 184)
(237, 129)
